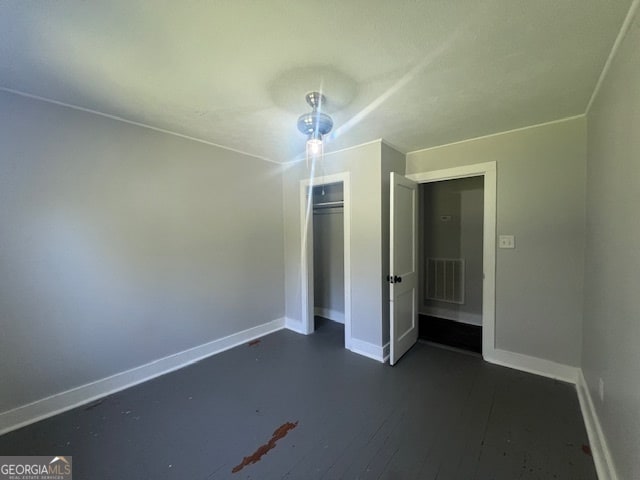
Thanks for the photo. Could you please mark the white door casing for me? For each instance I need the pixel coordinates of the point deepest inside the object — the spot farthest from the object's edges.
(403, 266)
(488, 171)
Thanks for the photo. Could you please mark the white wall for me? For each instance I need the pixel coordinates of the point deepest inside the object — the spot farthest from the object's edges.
(471, 231)
(540, 200)
(363, 163)
(121, 245)
(611, 344)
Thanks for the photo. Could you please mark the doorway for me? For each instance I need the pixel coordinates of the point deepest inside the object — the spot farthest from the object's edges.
(450, 226)
(488, 172)
(326, 239)
(328, 257)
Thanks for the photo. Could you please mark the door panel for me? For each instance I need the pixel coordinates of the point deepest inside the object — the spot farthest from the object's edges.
(403, 266)
(404, 253)
(404, 314)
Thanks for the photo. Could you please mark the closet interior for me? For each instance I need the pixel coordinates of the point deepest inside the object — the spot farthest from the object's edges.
(328, 252)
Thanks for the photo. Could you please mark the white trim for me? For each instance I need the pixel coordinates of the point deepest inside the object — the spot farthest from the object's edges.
(488, 170)
(371, 142)
(329, 314)
(299, 158)
(497, 134)
(306, 250)
(597, 440)
(295, 326)
(621, 34)
(535, 365)
(306, 259)
(454, 315)
(133, 122)
(463, 171)
(370, 350)
(63, 401)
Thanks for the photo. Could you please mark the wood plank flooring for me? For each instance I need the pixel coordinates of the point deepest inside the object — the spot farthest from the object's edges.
(437, 414)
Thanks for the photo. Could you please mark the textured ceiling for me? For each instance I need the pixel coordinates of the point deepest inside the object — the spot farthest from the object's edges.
(235, 72)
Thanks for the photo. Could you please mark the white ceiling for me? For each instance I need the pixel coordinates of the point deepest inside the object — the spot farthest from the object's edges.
(235, 72)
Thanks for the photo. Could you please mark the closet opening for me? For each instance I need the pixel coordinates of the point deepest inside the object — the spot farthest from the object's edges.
(450, 294)
(328, 258)
(326, 268)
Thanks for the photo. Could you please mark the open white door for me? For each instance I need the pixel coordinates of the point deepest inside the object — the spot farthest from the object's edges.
(403, 266)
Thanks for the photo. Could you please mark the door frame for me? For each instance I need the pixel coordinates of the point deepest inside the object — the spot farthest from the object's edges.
(306, 250)
(488, 171)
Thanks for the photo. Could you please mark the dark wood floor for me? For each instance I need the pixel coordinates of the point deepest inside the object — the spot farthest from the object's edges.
(319, 411)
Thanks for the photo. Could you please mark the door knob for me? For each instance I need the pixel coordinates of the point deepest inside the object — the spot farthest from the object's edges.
(397, 279)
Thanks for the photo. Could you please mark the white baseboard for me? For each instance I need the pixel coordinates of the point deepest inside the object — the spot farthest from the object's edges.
(295, 326)
(386, 352)
(538, 366)
(597, 441)
(455, 315)
(369, 350)
(63, 401)
(334, 315)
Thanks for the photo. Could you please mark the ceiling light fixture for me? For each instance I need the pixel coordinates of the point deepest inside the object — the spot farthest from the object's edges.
(315, 125)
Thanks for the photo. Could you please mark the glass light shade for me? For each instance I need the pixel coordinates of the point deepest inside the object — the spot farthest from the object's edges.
(314, 146)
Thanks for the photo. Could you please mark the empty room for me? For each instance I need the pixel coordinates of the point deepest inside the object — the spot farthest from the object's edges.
(302, 240)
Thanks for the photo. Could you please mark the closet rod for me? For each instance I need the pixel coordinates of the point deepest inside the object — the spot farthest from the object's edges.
(328, 204)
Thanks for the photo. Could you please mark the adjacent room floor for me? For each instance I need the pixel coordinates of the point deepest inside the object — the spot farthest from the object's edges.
(290, 406)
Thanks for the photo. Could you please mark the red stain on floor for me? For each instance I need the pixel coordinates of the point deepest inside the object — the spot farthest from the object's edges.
(587, 450)
(255, 457)
(254, 342)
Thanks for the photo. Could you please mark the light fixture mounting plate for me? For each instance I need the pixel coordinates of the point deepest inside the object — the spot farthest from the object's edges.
(315, 99)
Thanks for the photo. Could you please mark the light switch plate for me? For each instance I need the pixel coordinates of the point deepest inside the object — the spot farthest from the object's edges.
(507, 241)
